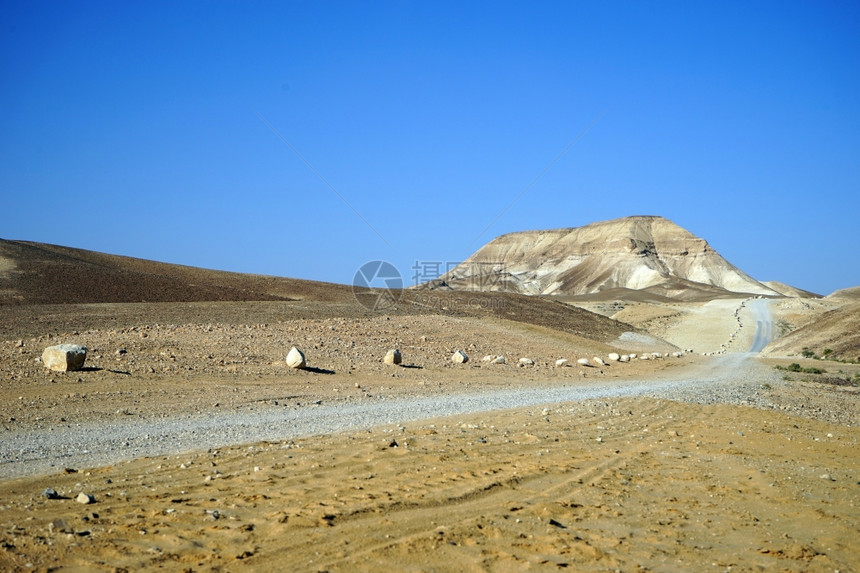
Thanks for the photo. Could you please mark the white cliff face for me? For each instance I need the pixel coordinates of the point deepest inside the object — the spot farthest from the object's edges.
(636, 253)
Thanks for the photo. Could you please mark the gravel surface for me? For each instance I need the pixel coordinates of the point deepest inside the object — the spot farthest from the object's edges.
(725, 379)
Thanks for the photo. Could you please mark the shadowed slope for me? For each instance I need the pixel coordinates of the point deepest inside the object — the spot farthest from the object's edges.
(36, 273)
(49, 287)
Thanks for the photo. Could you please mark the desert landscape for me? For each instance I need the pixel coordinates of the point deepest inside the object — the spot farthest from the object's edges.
(725, 440)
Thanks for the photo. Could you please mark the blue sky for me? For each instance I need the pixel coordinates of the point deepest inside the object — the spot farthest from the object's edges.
(135, 128)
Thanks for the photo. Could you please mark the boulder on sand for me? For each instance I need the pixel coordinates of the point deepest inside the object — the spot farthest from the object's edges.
(460, 357)
(614, 356)
(64, 357)
(583, 362)
(296, 358)
(393, 357)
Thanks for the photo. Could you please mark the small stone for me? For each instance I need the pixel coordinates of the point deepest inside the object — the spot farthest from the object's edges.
(527, 362)
(614, 356)
(296, 358)
(393, 357)
(598, 360)
(499, 360)
(64, 357)
(583, 362)
(488, 358)
(459, 357)
(50, 493)
(85, 498)
(624, 358)
(827, 477)
(561, 362)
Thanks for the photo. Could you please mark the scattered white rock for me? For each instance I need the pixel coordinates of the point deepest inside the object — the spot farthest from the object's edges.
(561, 362)
(632, 356)
(85, 498)
(526, 362)
(460, 357)
(598, 360)
(296, 358)
(64, 357)
(645, 357)
(393, 357)
(583, 362)
(624, 358)
(488, 358)
(614, 356)
(499, 360)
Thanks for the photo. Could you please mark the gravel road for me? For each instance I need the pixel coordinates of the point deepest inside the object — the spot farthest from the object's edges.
(763, 324)
(731, 378)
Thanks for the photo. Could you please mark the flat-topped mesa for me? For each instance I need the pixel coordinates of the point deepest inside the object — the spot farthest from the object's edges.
(636, 253)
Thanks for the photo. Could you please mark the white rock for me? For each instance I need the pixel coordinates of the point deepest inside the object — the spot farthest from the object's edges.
(296, 358)
(85, 498)
(561, 362)
(488, 358)
(460, 357)
(614, 356)
(583, 362)
(624, 358)
(632, 356)
(393, 357)
(64, 357)
(598, 360)
(527, 362)
(645, 357)
(656, 355)
(499, 360)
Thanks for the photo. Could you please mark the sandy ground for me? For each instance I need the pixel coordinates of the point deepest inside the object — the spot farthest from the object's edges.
(630, 485)
(636, 484)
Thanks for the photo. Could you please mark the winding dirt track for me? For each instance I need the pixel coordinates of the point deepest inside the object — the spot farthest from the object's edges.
(96, 443)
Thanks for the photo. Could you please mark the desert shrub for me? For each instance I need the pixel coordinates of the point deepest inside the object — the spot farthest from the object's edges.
(807, 353)
(814, 371)
(794, 367)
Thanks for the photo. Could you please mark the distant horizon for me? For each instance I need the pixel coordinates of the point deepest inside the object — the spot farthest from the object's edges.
(305, 139)
(404, 275)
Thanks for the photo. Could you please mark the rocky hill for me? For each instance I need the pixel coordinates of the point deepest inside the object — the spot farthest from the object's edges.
(33, 275)
(834, 334)
(852, 293)
(642, 254)
(39, 273)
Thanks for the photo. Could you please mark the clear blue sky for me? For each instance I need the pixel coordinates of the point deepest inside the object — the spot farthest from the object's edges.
(134, 128)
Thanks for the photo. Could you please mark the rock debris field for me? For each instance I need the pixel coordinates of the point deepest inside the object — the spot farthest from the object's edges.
(194, 447)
